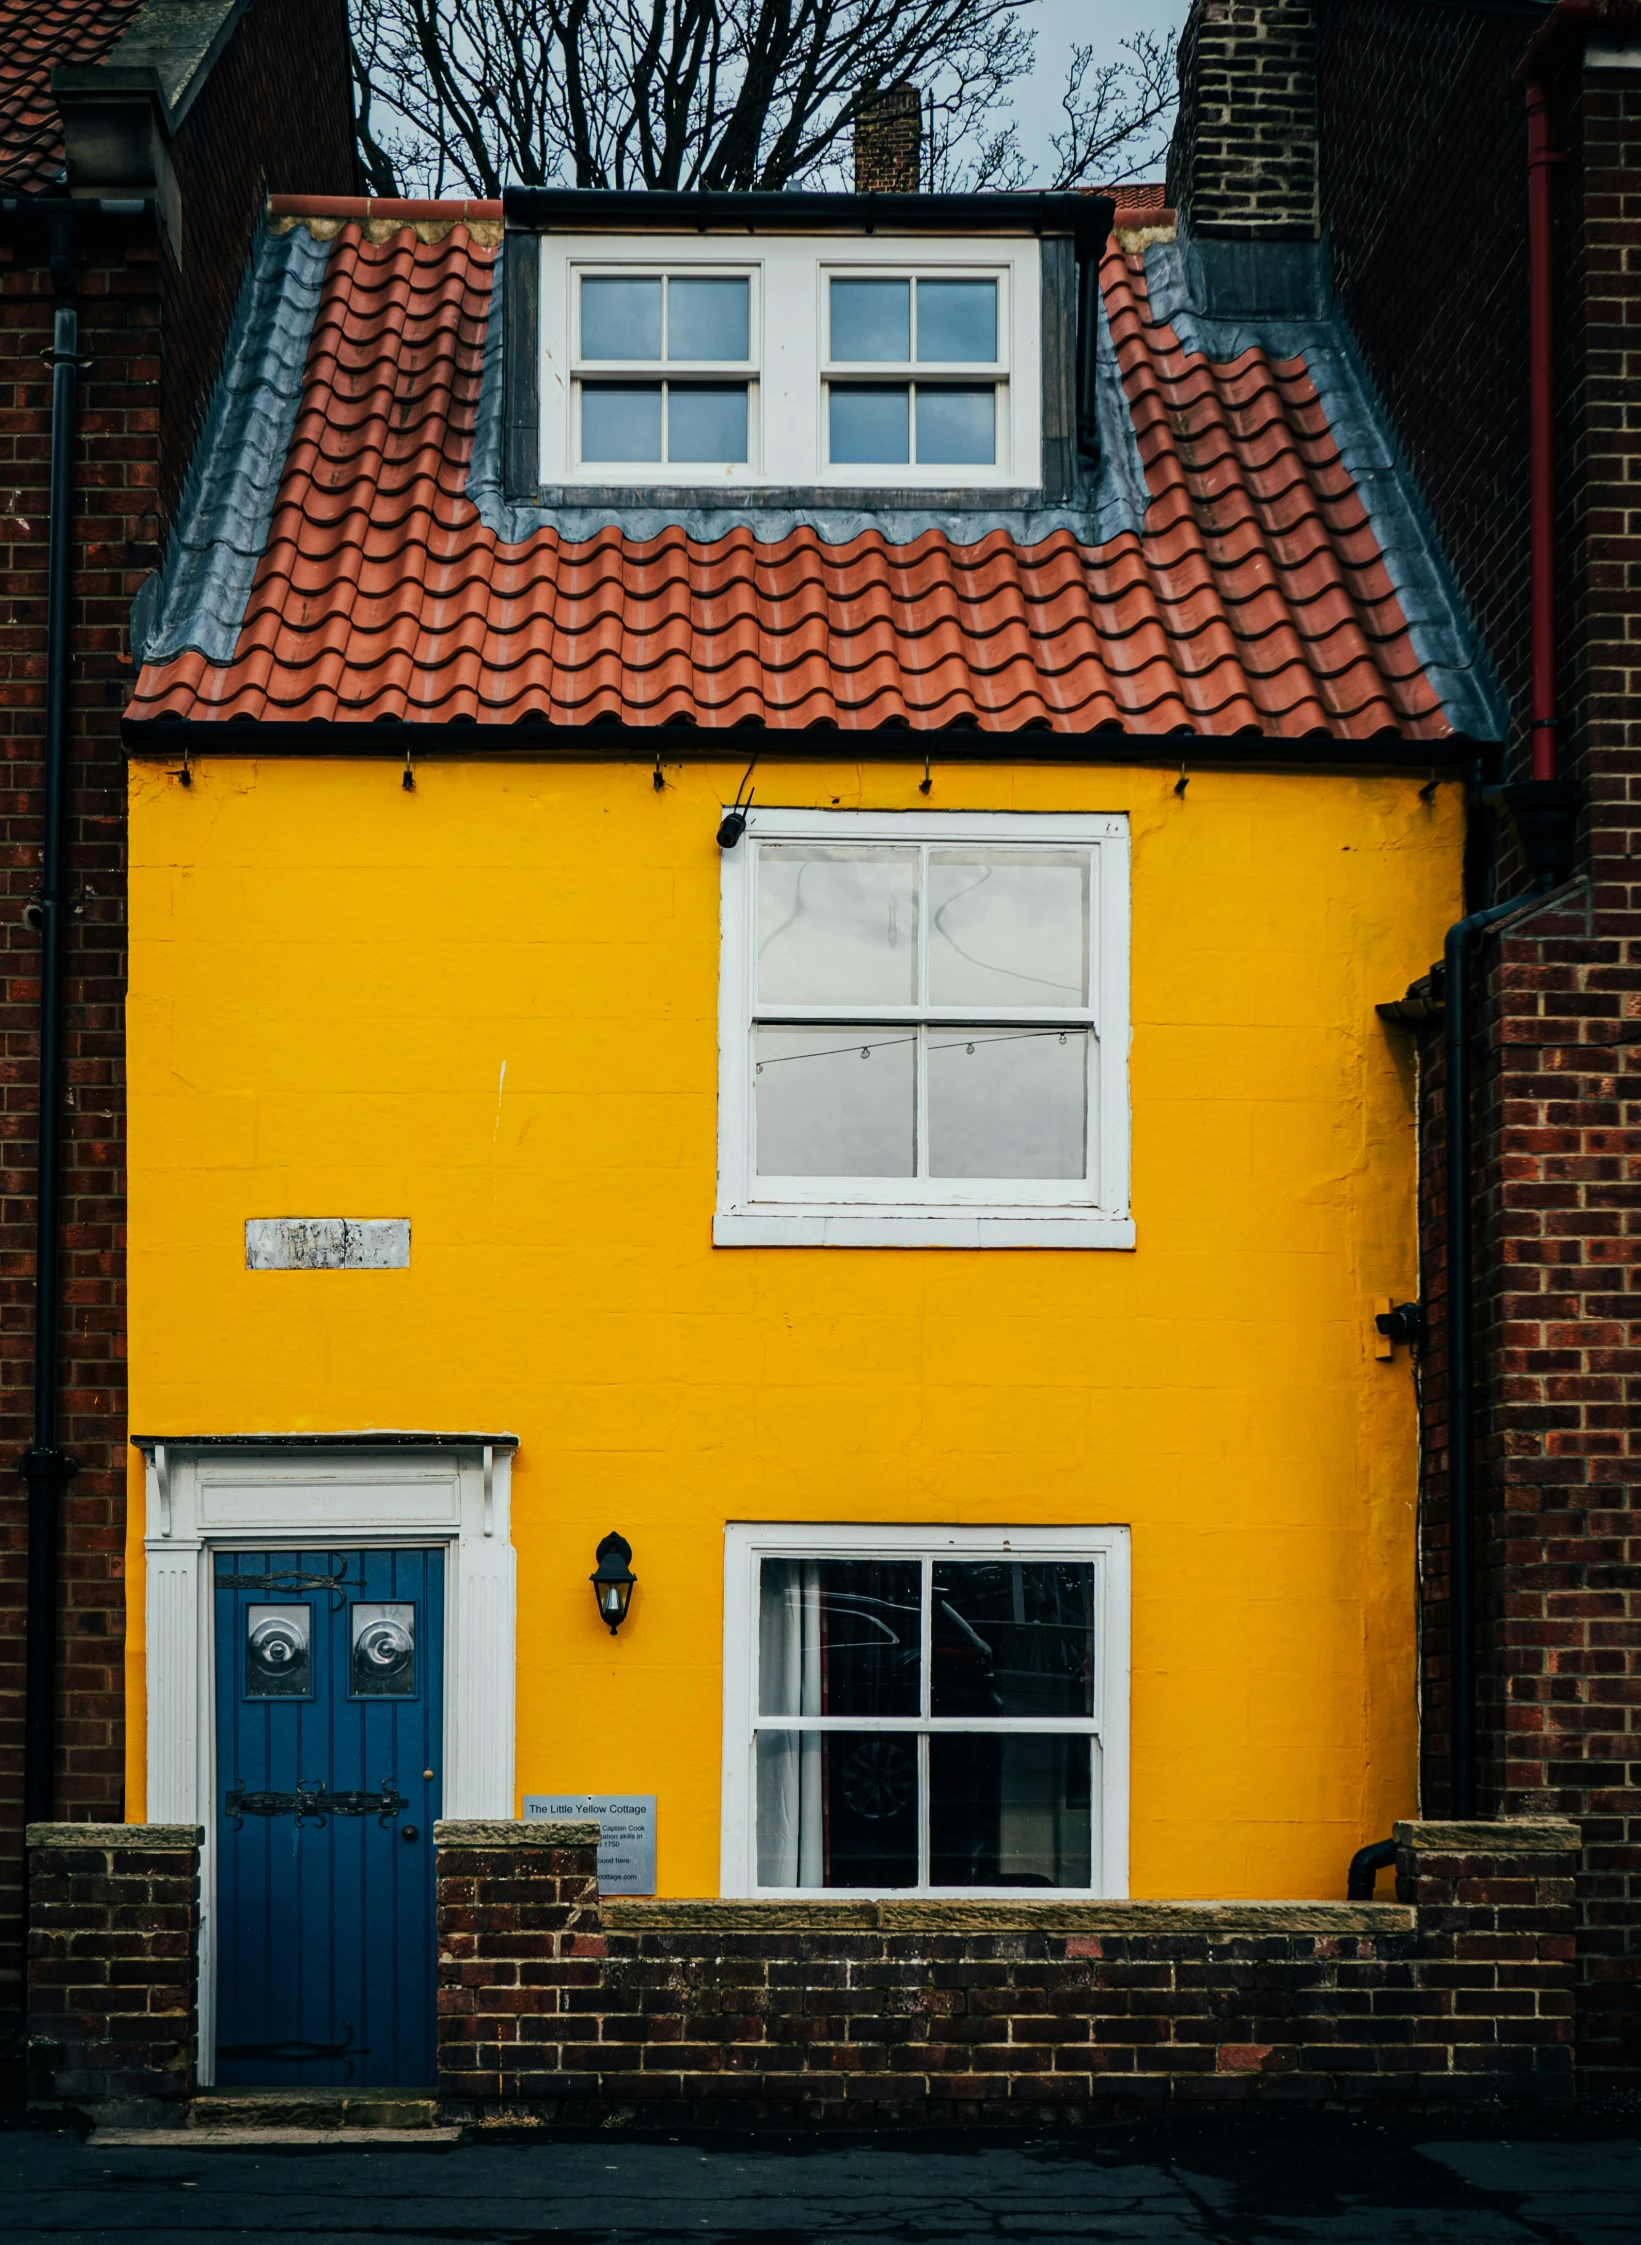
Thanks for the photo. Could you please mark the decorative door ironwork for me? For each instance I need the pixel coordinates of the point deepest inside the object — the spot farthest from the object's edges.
(311, 1804)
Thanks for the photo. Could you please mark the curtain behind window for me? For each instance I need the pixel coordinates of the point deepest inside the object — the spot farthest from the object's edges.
(790, 1816)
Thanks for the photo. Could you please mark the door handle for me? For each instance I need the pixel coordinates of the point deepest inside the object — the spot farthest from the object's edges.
(410, 1833)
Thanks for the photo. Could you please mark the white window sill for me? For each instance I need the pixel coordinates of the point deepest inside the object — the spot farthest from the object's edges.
(1045, 1897)
(891, 1227)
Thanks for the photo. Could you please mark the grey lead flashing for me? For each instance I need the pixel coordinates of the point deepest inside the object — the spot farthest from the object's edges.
(1445, 641)
(199, 598)
(1104, 513)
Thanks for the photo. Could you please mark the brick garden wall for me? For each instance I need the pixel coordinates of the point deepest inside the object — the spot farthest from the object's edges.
(559, 2010)
(113, 1959)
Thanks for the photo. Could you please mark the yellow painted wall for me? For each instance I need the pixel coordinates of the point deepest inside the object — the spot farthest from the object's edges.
(328, 977)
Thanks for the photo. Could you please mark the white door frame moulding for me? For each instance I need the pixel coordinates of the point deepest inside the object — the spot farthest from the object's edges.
(223, 1493)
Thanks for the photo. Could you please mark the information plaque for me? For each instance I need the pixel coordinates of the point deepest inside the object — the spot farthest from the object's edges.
(626, 1833)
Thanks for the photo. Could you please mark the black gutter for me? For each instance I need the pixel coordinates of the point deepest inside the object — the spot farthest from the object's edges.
(1460, 1370)
(676, 744)
(43, 1465)
(574, 210)
(47, 207)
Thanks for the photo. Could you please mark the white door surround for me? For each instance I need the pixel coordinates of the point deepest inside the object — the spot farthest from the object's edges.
(208, 1493)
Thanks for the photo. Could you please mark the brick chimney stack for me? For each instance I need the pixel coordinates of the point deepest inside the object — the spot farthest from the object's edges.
(889, 143)
(1242, 165)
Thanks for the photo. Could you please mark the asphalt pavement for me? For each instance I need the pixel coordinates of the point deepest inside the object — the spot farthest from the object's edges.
(1233, 2182)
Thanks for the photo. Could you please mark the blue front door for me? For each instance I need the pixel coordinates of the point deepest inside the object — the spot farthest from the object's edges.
(330, 1692)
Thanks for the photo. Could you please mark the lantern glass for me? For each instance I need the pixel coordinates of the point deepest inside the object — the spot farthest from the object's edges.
(613, 1581)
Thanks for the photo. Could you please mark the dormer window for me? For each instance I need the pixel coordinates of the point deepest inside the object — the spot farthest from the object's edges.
(830, 355)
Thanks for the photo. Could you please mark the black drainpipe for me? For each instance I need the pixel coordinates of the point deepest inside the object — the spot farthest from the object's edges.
(43, 1464)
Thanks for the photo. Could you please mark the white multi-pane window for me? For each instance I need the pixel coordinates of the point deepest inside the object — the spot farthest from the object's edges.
(926, 1712)
(663, 369)
(923, 1031)
(699, 361)
(913, 370)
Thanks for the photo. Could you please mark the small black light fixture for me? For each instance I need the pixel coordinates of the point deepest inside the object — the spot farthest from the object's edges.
(733, 823)
(613, 1580)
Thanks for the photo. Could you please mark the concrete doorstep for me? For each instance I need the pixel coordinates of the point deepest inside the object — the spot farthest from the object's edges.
(224, 2119)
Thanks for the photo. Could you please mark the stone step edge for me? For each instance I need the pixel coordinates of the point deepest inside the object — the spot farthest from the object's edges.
(312, 2108)
(228, 2139)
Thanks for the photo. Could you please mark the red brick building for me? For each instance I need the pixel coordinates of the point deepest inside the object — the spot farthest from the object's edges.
(137, 146)
(1377, 153)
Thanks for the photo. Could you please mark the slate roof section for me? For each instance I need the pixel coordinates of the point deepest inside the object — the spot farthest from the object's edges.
(1245, 590)
(35, 36)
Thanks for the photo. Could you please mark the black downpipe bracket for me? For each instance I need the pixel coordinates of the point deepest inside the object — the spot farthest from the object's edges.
(43, 1465)
(1456, 953)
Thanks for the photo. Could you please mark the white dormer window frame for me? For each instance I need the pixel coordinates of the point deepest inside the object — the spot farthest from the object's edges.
(791, 373)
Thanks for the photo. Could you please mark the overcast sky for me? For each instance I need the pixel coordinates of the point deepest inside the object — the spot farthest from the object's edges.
(1059, 25)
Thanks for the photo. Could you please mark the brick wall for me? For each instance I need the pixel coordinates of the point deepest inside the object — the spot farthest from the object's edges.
(1557, 1533)
(274, 117)
(558, 2009)
(1424, 192)
(116, 466)
(113, 1960)
(1423, 155)
(274, 113)
(1242, 164)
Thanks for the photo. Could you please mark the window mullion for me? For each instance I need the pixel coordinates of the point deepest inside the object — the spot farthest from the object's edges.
(920, 1080)
(923, 1812)
(920, 1105)
(925, 1699)
(925, 1702)
(922, 927)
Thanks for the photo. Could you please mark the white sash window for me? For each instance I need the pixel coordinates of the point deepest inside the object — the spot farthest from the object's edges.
(937, 1711)
(923, 1031)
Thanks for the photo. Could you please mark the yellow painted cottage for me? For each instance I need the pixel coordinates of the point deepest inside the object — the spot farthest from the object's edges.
(765, 833)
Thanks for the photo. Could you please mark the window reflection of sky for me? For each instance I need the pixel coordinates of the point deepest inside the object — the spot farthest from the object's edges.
(1008, 928)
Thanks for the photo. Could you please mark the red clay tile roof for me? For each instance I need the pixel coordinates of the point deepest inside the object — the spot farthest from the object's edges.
(1255, 600)
(36, 35)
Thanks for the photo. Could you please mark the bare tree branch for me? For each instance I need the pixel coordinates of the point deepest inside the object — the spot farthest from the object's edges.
(1114, 114)
(464, 95)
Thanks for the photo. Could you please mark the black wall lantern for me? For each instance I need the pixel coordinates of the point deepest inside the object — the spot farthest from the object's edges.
(612, 1580)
